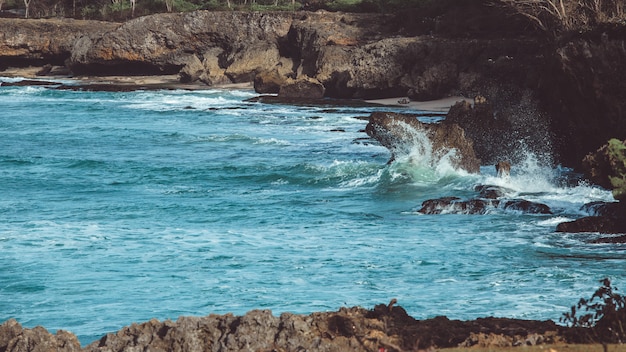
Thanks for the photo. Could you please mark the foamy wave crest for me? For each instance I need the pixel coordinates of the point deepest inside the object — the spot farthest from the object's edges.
(416, 159)
(273, 141)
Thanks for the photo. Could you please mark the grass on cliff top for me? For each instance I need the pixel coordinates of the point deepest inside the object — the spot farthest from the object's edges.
(548, 348)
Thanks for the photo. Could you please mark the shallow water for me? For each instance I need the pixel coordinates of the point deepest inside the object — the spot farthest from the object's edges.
(120, 207)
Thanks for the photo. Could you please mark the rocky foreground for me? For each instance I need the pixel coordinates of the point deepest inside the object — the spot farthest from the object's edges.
(384, 328)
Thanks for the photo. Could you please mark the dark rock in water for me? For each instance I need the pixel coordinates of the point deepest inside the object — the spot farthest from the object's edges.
(454, 205)
(609, 218)
(610, 209)
(490, 134)
(601, 224)
(400, 133)
(527, 207)
(618, 239)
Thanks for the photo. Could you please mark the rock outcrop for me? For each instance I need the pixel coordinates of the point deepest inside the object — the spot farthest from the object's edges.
(386, 327)
(605, 167)
(490, 199)
(40, 42)
(402, 134)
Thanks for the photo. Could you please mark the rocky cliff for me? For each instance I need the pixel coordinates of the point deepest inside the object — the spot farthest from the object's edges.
(558, 96)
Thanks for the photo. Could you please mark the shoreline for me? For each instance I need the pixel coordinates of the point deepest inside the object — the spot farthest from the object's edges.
(155, 82)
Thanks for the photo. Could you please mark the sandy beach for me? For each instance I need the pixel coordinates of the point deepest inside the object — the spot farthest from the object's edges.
(439, 105)
(173, 82)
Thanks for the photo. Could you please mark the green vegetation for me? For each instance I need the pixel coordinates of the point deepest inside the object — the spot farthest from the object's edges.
(554, 16)
(602, 317)
(118, 10)
(617, 158)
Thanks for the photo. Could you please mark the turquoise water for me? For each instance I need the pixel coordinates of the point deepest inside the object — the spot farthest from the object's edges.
(121, 207)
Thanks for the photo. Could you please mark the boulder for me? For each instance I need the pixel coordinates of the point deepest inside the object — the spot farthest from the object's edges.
(268, 82)
(192, 70)
(454, 205)
(606, 167)
(14, 338)
(401, 133)
(607, 218)
(490, 133)
(309, 88)
(601, 224)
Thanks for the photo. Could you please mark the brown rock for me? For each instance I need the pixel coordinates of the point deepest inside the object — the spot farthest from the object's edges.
(14, 338)
(398, 133)
(309, 88)
(601, 224)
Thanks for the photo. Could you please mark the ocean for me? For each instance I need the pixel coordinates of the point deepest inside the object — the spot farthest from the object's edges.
(119, 207)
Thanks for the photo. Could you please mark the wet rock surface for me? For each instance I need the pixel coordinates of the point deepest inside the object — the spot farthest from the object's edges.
(401, 133)
(490, 198)
(349, 329)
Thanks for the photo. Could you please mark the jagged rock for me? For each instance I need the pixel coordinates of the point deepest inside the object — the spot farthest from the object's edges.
(158, 44)
(309, 88)
(454, 205)
(491, 134)
(192, 70)
(399, 132)
(348, 329)
(14, 338)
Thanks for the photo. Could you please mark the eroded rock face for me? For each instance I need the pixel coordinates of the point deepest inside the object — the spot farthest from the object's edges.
(14, 338)
(402, 133)
(244, 43)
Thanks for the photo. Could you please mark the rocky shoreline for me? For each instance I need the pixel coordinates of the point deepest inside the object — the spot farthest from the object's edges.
(561, 97)
(386, 327)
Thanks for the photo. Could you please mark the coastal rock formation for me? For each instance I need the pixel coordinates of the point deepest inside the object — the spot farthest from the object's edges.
(606, 218)
(605, 167)
(479, 206)
(385, 327)
(559, 94)
(14, 338)
(401, 134)
(41, 42)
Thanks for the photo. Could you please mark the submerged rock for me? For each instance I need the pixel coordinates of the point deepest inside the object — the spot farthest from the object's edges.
(402, 133)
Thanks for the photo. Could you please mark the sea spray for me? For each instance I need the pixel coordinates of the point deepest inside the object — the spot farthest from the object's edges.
(196, 211)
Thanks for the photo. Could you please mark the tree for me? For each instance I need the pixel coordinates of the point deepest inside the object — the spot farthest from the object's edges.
(27, 4)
